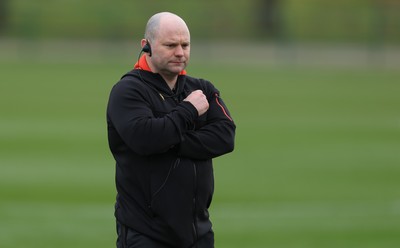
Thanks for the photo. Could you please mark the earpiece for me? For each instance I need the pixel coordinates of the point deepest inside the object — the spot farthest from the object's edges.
(147, 48)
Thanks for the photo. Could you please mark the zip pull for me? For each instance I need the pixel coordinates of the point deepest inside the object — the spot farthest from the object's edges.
(162, 97)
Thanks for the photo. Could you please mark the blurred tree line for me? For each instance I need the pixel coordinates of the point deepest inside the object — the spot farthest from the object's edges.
(283, 20)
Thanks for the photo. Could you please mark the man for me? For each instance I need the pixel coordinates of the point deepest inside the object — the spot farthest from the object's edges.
(164, 128)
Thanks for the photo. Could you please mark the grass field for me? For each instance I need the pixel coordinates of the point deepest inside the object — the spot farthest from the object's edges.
(316, 164)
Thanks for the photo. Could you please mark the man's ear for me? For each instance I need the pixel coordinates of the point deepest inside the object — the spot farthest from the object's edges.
(146, 46)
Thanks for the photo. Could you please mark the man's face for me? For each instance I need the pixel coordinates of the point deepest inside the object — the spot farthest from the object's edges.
(170, 49)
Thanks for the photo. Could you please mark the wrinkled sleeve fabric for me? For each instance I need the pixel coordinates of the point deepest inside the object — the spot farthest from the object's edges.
(216, 137)
(129, 113)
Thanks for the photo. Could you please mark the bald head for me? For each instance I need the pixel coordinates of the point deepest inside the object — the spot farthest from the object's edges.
(161, 22)
(168, 39)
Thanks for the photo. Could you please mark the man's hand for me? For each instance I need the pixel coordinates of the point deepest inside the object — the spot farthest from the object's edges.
(198, 100)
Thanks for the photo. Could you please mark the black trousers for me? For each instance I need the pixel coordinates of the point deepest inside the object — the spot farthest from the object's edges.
(129, 238)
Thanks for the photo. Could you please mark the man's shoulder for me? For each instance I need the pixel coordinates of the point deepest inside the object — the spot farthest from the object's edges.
(202, 83)
(130, 76)
(196, 79)
(128, 82)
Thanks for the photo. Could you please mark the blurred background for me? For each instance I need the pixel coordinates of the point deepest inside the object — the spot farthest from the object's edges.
(313, 87)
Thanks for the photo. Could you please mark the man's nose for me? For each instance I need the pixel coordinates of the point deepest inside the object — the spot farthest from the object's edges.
(179, 51)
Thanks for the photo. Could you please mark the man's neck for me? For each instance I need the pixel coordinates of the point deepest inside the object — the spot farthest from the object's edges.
(170, 79)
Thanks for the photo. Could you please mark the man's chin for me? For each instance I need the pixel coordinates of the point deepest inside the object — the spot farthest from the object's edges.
(177, 69)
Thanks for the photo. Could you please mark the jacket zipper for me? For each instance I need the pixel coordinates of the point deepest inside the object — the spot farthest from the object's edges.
(194, 204)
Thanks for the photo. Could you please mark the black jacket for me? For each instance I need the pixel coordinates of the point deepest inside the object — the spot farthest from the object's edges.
(163, 152)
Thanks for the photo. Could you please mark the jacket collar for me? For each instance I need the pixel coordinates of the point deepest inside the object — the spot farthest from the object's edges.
(142, 64)
(156, 82)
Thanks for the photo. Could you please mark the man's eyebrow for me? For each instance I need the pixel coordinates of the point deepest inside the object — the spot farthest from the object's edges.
(176, 42)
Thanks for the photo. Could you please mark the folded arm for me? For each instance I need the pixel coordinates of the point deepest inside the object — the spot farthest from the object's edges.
(214, 137)
(134, 122)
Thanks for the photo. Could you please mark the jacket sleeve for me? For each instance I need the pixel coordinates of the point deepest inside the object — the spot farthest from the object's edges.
(130, 114)
(215, 137)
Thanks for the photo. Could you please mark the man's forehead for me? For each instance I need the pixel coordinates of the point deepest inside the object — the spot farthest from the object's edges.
(171, 34)
(182, 39)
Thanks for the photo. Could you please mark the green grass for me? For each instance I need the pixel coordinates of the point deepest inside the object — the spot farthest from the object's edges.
(308, 20)
(316, 162)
